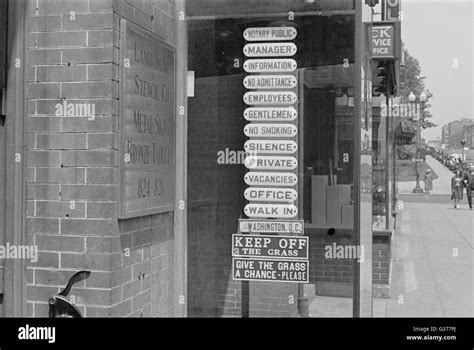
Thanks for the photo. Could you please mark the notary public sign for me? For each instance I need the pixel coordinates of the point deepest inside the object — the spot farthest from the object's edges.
(272, 211)
(258, 178)
(270, 65)
(274, 114)
(271, 226)
(270, 98)
(147, 123)
(265, 246)
(270, 34)
(383, 41)
(276, 270)
(270, 82)
(270, 50)
(267, 194)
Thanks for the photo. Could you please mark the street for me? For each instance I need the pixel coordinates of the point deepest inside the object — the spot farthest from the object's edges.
(432, 258)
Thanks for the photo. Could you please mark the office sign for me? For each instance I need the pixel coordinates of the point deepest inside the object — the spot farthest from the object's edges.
(147, 123)
(270, 163)
(270, 50)
(270, 98)
(276, 211)
(270, 130)
(270, 179)
(271, 146)
(276, 270)
(264, 246)
(270, 82)
(265, 194)
(275, 114)
(383, 41)
(270, 34)
(271, 226)
(275, 65)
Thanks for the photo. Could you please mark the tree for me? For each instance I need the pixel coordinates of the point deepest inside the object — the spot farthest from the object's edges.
(411, 80)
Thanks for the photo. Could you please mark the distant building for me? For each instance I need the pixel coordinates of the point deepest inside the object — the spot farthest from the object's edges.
(469, 137)
(454, 132)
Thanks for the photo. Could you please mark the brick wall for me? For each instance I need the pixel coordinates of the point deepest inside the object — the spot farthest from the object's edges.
(72, 164)
(334, 276)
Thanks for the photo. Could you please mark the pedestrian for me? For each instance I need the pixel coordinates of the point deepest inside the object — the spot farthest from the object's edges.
(457, 188)
(428, 180)
(468, 181)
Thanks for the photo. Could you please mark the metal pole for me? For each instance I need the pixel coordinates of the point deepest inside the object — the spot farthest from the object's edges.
(417, 188)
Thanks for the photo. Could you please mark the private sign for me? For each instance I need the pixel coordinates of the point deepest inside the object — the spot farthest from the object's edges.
(270, 163)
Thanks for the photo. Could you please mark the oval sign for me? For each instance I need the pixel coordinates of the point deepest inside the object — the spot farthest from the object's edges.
(270, 98)
(271, 163)
(276, 211)
(270, 33)
(270, 130)
(270, 179)
(265, 194)
(270, 82)
(270, 147)
(274, 65)
(270, 50)
(278, 114)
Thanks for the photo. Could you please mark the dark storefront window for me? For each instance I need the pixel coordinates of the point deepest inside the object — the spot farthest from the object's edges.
(326, 92)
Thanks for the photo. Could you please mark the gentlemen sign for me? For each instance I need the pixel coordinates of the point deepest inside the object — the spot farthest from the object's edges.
(147, 123)
(261, 246)
(383, 41)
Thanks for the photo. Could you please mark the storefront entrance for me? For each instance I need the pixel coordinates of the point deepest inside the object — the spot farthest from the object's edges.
(235, 82)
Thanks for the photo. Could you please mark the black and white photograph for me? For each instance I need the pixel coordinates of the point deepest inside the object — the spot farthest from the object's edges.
(300, 161)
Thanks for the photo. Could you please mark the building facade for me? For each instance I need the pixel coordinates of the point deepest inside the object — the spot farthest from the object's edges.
(123, 125)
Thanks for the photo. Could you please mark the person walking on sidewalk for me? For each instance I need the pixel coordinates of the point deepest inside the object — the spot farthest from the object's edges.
(468, 181)
(428, 180)
(457, 188)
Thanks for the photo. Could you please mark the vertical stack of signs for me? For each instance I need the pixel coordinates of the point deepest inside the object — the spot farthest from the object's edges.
(272, 161)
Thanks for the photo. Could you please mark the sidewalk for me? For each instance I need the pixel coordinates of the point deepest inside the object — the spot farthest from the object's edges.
(441, 185)
(432, 273)
(432, 262)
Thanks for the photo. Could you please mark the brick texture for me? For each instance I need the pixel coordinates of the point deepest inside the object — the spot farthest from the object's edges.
(72, 163)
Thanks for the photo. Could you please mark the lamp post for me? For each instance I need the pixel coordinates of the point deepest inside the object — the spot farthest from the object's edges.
(463, 142)
(412, 98)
